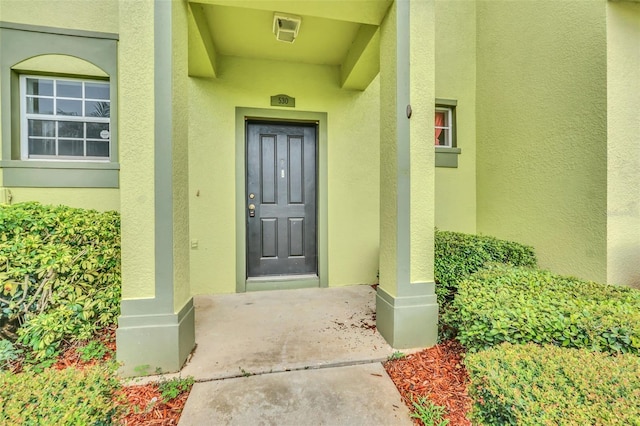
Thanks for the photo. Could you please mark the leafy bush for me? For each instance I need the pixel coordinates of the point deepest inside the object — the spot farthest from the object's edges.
(170, 389)
(458, 255)
(428, 413)
(60, 273)
(519, 305)
(547, 385)
(8, 354)
(93, 350)
(56, 397)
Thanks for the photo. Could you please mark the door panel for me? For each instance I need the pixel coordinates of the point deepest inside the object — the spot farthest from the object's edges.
(281, 176)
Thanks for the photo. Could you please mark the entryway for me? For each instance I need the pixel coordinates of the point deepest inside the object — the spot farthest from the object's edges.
(281, 199)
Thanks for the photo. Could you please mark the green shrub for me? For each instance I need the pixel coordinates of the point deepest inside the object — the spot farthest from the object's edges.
(59, 397)
(458, 255)
(428, 412)
(60, 272)
(519, 305)
(547, 385)
(170, 389)
(8, 354)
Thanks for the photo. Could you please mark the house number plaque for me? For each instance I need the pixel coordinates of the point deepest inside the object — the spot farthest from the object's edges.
(283, 101)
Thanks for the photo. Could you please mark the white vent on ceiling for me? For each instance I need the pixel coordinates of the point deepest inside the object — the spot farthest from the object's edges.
(286, 27)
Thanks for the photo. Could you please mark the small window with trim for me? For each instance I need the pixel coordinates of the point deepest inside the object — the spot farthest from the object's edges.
(444, 129)
(65, 118)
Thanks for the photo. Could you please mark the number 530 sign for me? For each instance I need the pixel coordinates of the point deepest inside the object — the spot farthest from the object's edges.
(283, 101)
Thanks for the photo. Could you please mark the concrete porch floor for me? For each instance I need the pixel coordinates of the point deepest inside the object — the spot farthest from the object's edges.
(309, 356)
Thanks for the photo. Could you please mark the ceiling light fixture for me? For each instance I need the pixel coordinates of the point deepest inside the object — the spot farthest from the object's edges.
(286, 27)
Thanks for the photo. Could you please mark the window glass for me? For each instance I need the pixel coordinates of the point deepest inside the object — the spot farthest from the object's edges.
(69, 107)
(70, 129)
(98, 130)
(97, 149)
(68, 89)
(97, 108)
(70, 147)
(42, 128)
(42, 146)
(97, 90)
(66, 118)
(40, 105)
(39, 86)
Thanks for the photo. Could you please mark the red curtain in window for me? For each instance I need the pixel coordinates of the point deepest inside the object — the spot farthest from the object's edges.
(440, 123)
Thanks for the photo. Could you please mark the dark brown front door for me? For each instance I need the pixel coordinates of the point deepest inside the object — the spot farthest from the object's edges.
(281, 199)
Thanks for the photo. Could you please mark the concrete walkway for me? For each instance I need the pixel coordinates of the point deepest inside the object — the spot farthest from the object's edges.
(291, 357)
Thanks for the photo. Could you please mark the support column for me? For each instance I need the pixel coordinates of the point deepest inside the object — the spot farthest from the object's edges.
(407, 311)
(156, 327)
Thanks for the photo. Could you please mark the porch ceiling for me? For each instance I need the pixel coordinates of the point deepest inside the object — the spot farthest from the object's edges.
(336, 33)
(248, 33)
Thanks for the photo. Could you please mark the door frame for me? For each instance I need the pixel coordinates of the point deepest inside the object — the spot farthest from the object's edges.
(277, 115)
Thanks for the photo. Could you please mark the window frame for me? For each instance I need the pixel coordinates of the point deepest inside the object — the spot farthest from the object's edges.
(25, 116)
(448, 128)
(447, 156)
(19, 45)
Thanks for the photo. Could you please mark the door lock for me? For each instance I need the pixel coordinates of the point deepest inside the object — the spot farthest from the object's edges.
(252, 210)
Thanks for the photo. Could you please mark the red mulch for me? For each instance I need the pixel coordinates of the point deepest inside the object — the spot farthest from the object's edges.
(71, 357)
(144, 406)
(438, 374)
(141, 404)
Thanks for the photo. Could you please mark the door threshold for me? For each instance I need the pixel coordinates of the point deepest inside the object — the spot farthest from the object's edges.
(282, 282)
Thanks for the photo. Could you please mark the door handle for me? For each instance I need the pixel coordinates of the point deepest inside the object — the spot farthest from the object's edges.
(252, 210)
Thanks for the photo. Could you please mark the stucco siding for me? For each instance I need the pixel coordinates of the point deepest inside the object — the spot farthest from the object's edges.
(542, 129)
(455, 69)
(84, 15)
(136, 76)
(623, 146)
(352, 166)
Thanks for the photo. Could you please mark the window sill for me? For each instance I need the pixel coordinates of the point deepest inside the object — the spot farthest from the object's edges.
(447, 157)
(60, 174)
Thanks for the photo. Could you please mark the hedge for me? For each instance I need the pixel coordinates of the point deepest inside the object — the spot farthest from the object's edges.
(458, 255)
(520, 305)
(60, 273)
(546, 385)
(59, 397)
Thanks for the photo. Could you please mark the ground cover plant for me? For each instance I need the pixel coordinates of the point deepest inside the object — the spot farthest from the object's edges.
(547, 385)
(82, 388)
(521, 305)
(59, 397)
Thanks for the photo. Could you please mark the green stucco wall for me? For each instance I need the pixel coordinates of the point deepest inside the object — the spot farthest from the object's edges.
(180, 155)
(101, 199)
(136, 77)
(388, 150)
(98, 17)
(455, 68)
(84, 15)
(542, 129)
(623, 143)
(352, 165)
(421, 157)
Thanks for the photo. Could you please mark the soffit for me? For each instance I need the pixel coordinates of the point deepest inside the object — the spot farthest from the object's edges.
(244, 32)
(361, 11)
